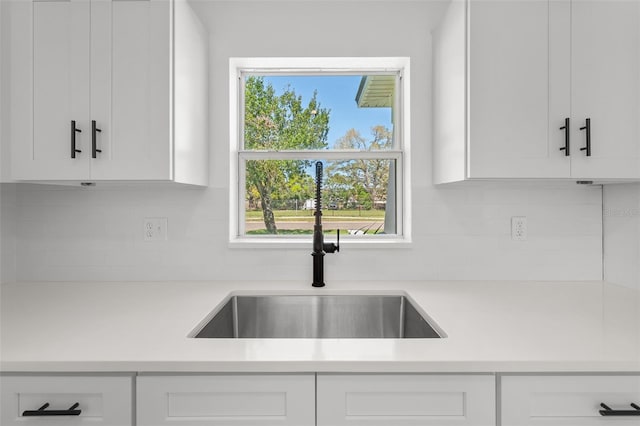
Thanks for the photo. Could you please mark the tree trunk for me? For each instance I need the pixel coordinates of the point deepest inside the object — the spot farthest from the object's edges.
(267, 210)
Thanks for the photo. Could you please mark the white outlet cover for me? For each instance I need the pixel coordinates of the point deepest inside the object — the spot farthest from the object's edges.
(155, 228)
(519, 228)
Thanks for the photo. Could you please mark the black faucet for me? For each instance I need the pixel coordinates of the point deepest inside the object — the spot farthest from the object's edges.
(319, 246)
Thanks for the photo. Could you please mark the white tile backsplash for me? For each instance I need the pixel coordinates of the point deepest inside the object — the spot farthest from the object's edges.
(460, 233)
(622, 234)
(8, 222)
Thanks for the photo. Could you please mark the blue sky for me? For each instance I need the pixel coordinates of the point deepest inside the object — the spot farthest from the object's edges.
(337, 93)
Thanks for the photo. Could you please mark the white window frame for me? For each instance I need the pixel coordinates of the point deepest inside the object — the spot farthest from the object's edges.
(240, 67)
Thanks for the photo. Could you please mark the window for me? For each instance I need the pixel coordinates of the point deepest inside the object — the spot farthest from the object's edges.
(348, 113)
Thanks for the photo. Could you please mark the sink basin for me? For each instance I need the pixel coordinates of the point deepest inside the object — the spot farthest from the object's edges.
(314, 316)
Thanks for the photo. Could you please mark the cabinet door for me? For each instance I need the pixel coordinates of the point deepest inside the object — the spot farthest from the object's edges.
(606, 87)
(102, 400)
(516, 105)
(567, 400)
(239, 400)
(403, 400)
(60, 93)
(131, 89)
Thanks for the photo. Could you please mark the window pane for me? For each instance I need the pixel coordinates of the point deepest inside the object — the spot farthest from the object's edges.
(358, 196)
(318, 112)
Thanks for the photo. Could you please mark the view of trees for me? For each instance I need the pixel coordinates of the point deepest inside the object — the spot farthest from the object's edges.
(361, 182)
(282, 122)
(275, 122)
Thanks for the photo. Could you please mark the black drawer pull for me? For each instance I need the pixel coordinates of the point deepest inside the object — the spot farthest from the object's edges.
(94, 142)
(42, 411)
(73, 138)
(609, 412)
(566, 129)
(587, 127)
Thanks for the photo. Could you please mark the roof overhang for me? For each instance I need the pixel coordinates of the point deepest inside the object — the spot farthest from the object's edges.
(376, 91)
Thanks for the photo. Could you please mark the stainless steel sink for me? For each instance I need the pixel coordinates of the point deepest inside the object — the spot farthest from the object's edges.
(312, 316)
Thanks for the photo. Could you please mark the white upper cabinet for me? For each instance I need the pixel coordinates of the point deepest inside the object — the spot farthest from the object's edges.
(509, 98)
(605, 88)
(130, 90)
(60, 94)
(93, 97)
(509, 77)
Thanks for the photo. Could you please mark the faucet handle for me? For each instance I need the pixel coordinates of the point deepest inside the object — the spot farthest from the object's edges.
(331, 247)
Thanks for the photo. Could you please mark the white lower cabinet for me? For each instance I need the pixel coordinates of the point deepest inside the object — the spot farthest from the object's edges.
(569, 400)
(406, 399)
(216, 400)
(323, 399)
(32, 400)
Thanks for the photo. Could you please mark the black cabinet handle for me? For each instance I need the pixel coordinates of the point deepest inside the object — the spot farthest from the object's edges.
(94, 143)
(587, 127)
(567, 132)
(609, 412)
(42, 411)
(73, 138)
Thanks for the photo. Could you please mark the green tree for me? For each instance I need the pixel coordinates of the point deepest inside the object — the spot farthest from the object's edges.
(364, 180)
(279, 122)
(301, 188)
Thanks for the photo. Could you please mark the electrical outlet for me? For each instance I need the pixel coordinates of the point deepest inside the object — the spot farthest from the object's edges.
(519, 228)
(155, 228)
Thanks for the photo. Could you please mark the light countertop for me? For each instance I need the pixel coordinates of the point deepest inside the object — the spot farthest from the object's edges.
(490, 326)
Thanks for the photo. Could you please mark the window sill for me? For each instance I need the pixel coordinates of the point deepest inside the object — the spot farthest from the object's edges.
(347, 244)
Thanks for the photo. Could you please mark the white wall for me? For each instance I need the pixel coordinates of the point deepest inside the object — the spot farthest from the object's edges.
(622, 234)
(8, 225)
(3, 99)
(621, 217)
(459, 232)
(7, 191)
(4, 91)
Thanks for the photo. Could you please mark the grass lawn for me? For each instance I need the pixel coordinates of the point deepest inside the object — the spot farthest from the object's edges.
(284, 215)
(291, 232)
(297, 232)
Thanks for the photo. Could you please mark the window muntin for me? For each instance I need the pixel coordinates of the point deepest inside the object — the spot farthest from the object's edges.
(366, 210)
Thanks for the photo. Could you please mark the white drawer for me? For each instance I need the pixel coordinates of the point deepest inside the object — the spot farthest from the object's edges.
(406, 399)
(568, 400)
(102, 400)
(239, 400)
